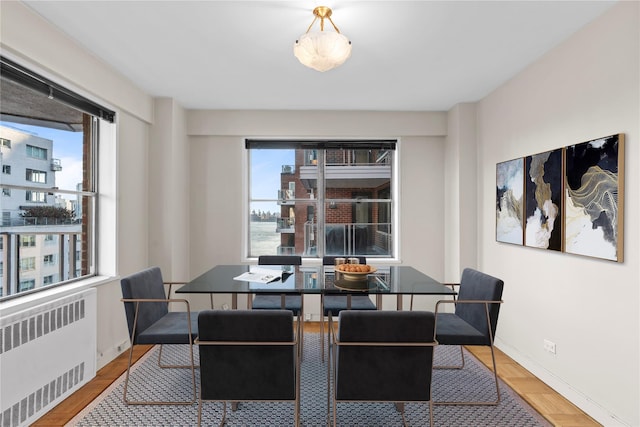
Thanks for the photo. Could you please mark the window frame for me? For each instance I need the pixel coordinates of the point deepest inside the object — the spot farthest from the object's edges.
(99, 129)
(27, 263)
(35, 152)
(35, 175)
(35, 196)
(31, 285)
(27, 240)
(393, 254)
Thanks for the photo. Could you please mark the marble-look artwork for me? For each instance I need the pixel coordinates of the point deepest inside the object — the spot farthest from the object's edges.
(543, 200)
(594, 197)
(509, 201)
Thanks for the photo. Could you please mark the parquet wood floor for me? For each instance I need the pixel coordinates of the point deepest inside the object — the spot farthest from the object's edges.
(555, 408)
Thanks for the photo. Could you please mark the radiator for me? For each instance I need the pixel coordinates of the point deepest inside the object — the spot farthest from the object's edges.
(47, 352)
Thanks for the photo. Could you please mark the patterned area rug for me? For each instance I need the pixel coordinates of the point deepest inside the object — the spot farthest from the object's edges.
(148, 381)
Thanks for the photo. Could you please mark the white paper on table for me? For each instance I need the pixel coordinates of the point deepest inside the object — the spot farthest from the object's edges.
(260, 275)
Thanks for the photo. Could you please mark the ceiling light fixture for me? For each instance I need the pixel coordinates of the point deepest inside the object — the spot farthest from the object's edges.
(322, 50)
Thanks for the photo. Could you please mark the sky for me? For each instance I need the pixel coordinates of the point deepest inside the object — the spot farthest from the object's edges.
(67, 147)
(266, 166)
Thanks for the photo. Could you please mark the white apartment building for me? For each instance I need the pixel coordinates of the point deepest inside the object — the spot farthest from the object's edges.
(26, 161)
(34, 252)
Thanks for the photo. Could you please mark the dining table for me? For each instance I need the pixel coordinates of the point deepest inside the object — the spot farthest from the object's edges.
(303, 280)
(396, 280)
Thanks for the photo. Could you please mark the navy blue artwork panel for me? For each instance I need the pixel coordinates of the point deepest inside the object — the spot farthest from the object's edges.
(509, 201)
(594, 198)
(543, 200)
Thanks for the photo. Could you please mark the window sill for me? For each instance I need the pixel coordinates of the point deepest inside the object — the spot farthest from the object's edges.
(22, 303)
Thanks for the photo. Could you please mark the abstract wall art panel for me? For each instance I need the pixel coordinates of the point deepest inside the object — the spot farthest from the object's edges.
(543, 200)
(509, 201)
(594, 197)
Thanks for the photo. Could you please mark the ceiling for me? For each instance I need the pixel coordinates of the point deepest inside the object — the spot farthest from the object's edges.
(407, 55)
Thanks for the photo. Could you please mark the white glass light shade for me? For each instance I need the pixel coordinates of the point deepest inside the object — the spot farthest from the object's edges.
(322, 50)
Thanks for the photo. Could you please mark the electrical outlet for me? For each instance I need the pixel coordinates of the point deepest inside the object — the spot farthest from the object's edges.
(122, 346)
(225, 306)
(550, 346)
(307, 316)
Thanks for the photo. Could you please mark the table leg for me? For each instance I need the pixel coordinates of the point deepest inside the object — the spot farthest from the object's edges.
(399, 302)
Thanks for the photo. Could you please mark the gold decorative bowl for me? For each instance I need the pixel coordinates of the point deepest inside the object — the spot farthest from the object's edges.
(354, 276)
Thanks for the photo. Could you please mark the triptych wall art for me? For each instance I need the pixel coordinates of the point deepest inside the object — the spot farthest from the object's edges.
(570, 199)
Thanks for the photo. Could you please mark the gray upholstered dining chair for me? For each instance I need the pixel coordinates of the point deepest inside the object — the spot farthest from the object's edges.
(272, 302)
(381, 356)
(150, 322)
(248, 355)
(473, 322)
(332, 305)
(295, 303)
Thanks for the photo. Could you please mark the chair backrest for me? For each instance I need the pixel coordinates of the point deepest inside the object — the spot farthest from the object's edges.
(246, 372)
(145, 284)
(475, 285)
(377, 373)
(330, 259)
(280, 260)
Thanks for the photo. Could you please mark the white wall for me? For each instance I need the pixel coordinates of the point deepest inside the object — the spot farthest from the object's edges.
(460, 195)
(584, 89)
(168, 189)
(130, 233)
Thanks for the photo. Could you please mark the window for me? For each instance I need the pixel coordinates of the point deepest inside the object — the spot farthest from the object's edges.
(316, 198)
(36, 176)
(35, 196)
(28, 241)
(6, 169)
(384, 212)
(36, 152)
(26, 285)
(54, 133)
(28, 263)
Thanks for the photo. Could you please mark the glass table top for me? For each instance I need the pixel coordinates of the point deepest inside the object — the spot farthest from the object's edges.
(316, 280)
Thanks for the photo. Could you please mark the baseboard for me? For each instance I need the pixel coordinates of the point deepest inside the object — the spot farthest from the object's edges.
(582, 401)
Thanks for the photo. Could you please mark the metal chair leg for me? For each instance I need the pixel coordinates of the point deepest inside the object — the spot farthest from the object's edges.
(193, 380)
(322, 327)
(475, 403)
(224, 414)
